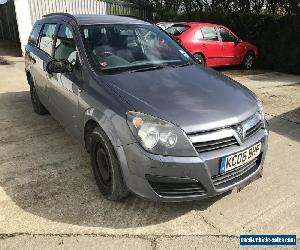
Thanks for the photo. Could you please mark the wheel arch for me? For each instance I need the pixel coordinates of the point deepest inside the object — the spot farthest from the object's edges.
(250, 51)
(89, 126)
(94, 117)
(202, 54)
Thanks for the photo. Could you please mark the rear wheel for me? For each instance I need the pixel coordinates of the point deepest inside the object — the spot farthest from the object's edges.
(200, 58)
(38, 107)
(106, 167)
(248, 61)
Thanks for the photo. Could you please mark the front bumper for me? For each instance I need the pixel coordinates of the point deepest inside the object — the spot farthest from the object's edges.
(186, 178)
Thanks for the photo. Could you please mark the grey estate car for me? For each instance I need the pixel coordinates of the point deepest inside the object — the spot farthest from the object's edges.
(154, 122)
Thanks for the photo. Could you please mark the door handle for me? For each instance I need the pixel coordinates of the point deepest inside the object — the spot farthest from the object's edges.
(203, 45)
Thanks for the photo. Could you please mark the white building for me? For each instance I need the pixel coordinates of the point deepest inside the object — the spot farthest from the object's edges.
(28, 11)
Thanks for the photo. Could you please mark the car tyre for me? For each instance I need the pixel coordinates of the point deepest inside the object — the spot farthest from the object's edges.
(106, 167)
(200, 58)
(248, 61)
(37, 105)
(261, 173)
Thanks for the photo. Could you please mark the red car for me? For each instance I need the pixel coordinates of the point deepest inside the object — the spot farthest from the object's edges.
(214, 45)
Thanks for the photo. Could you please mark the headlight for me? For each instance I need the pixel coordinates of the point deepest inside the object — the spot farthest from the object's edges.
(261, 112)
(158, 136)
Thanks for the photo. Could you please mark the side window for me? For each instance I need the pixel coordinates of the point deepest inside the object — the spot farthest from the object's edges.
(65, 47)
(199, 35)
(209, 33)
(34, 34)
(226, 36)
(46, 39)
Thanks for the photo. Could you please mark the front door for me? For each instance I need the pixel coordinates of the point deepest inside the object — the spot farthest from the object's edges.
(231, 49)
(64, 87)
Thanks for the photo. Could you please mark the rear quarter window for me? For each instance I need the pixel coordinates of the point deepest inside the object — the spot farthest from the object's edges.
(34, 35)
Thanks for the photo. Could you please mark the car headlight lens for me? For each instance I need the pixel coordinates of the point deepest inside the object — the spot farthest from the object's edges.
(158, 136)
(261, 112)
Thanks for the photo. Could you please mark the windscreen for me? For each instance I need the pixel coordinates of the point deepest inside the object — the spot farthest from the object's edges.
(123, 47)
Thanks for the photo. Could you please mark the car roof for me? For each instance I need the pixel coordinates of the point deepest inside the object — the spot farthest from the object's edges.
(196, 24)
(90, 19)
(107, 19)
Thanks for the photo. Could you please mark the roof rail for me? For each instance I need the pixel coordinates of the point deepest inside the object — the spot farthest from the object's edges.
(135, 17)
(61, 14)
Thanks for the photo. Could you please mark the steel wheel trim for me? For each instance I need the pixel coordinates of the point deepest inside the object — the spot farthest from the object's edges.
(249, 61)
(103, 169)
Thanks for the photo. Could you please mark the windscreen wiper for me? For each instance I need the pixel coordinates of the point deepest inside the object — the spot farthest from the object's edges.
(148, 68)
(185, 64)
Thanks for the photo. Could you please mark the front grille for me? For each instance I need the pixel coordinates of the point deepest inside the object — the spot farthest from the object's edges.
(177, 189)
(229, 178)
(225, 137)
(215, 144)
(254, 129)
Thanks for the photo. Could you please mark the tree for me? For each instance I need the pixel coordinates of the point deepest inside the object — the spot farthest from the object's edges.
(275, 7)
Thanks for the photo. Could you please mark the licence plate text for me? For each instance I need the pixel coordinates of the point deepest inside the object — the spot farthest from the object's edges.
(241, 158)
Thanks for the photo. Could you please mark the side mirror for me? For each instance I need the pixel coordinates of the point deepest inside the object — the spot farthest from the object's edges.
(238, 40)
(59, 66)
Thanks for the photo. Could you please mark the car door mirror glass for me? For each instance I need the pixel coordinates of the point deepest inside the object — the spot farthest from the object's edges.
(59, 66)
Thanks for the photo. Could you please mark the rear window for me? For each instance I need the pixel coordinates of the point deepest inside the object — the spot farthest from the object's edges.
(177, 30)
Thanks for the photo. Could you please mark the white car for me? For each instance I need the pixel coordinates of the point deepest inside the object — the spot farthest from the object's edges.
(165, 25)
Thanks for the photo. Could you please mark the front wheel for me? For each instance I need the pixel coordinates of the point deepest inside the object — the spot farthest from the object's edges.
(106, 167)
(200, 58)
(248, 61)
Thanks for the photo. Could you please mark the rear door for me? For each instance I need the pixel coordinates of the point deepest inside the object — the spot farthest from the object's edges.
(31, 52)
(40, 55)
(231, 49)
(210, 45)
